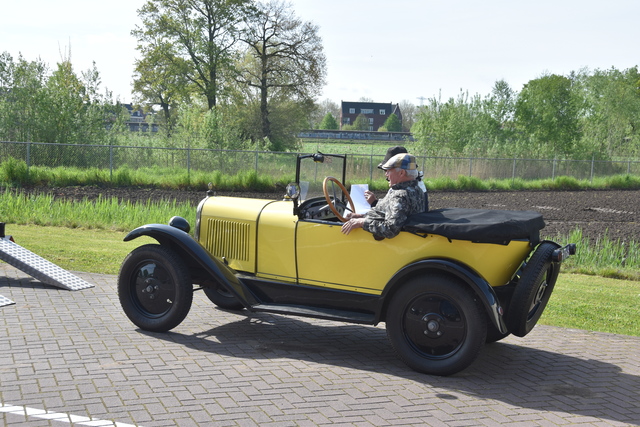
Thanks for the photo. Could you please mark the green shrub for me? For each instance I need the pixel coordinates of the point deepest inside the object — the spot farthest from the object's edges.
(14, 171)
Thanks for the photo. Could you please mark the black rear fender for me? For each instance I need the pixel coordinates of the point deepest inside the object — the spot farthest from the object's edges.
(480, 287)
(196, 257)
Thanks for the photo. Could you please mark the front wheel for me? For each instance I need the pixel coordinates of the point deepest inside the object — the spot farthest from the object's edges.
(436, 325)
(154, 288)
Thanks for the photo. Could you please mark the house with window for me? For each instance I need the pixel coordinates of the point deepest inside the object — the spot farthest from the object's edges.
(137, 120)
(375, 112)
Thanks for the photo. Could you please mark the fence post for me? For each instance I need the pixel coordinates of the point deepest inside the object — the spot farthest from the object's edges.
(111, 161)
(189, 163)
(371, 167)
(470, 166)
(593, 160)
(256, 161)
(513, 171)
(553, 168)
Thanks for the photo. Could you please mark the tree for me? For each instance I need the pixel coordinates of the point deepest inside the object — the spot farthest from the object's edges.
(320, 111)
(329, 122)
(193, 36)
(161, 81)
(502, 101)
(547, 110)
(409, 113)
(446, 127)
(21, 86)
(392, 124)
(611, 123)
(360, 123)
(288, 62)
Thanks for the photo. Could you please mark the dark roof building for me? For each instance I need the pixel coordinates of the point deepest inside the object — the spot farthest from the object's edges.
(137, 122)
(375, 112)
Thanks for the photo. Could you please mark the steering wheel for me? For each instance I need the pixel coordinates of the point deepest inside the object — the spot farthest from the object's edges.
(332, 203)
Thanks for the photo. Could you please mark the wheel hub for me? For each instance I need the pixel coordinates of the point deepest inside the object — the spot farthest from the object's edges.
(151, 288)
(433, 325)
(154, 290)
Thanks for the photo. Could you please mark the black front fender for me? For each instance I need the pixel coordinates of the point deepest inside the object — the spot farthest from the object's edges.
(191, 250)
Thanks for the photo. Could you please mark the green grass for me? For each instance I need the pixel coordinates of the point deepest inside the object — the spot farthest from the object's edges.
(595, 304)
(605, 257)
(76, 249)
(14, 173)
(103, 213)
(561, 183)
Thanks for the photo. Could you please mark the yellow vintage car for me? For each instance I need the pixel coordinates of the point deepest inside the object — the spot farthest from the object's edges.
(451, 281)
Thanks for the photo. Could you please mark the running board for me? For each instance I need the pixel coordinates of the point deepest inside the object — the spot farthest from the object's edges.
(316, 312)
(38, 267)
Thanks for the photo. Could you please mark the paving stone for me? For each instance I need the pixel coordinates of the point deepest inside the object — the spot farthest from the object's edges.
(76, 353)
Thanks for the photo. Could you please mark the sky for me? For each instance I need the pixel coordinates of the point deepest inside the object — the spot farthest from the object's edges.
(385, 51)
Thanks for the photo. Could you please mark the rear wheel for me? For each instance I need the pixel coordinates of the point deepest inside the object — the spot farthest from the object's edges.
(436, 325)
(533, 290)
(154, 288)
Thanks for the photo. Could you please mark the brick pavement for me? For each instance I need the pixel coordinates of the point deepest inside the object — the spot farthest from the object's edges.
(73, 357)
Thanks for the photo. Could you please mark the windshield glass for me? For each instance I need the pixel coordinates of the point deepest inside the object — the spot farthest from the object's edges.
(314, 168)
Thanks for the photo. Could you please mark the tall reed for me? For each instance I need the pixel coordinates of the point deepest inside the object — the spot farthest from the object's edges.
(102, 213)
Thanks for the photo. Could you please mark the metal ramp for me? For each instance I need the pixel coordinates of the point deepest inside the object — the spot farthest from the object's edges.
(5, 301)
(38, 267)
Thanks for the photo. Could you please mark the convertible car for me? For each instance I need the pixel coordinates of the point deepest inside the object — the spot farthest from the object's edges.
(451, 281)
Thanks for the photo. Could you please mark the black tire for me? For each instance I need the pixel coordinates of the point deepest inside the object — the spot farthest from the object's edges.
(223, 298)
(436, 325)
(154, 288)
(533, 290)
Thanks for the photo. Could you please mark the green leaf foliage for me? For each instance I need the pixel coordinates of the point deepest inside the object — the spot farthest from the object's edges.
(329, 122)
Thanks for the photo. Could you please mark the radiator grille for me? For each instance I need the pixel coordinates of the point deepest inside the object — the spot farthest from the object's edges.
(228, 239)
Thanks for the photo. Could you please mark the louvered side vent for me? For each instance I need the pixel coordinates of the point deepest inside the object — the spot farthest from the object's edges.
(229, 239)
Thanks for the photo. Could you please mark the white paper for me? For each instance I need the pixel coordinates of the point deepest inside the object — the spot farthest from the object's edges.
(357, 195)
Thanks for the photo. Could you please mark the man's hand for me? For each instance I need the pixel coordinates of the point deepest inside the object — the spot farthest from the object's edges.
(352, 224)
(369, 197)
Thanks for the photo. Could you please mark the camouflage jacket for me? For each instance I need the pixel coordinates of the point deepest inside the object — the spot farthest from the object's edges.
(386, 219)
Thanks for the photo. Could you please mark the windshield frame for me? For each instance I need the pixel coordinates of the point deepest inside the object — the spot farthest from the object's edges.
(312, 169)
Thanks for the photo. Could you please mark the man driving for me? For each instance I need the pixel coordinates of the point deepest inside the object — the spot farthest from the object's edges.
(404, 198)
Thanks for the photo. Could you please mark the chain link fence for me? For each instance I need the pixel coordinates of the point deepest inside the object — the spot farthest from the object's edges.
(360, 167)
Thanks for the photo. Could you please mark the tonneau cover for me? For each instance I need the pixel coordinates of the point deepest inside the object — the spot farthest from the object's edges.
(478, 225)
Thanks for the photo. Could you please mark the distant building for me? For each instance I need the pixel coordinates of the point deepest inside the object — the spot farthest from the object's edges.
(376, 113)
(136, 122)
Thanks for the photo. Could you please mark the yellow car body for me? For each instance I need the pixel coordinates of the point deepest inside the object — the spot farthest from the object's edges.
(265, 238)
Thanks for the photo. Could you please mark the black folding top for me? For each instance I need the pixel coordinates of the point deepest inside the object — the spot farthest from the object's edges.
(478, 225)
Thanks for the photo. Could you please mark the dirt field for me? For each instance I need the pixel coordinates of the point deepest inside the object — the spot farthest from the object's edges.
(595, 212)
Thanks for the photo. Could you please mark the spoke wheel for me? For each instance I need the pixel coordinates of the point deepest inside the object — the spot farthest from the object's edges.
(533, 290)
(154, 288)
(435, 325)
(331, 202)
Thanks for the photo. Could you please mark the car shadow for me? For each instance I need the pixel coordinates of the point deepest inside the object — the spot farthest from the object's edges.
(521, 376)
